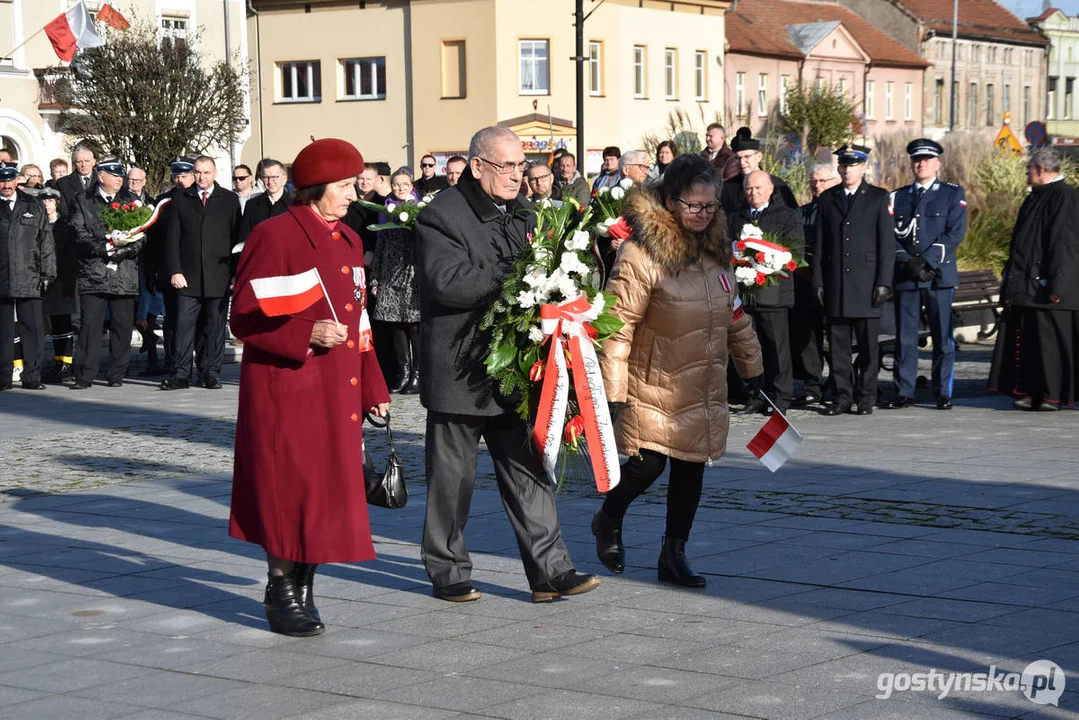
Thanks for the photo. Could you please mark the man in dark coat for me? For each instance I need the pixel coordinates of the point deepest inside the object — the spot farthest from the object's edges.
(1034, 359)
(930, 222)
(27, 266)
(717, 152)
(733, 196)
(768, 305)
(108, 279)
(72, 186)
(271, 203)
(428, 181)
(466, 241)
(852, 275)
(203, 228)
(807, 316)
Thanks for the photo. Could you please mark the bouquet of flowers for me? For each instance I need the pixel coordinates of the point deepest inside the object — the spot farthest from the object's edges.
(400, 215)
(125, 221)
(546, 327)
(607, 204)
(759, 261)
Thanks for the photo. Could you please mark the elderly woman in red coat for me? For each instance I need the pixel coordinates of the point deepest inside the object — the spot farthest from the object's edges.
(305, 383)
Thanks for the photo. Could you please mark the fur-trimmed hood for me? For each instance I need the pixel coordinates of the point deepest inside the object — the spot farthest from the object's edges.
(657, 233)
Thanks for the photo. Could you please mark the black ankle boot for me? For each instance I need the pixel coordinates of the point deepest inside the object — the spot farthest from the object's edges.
(413, 385)
(404, 371)
(609, 548)
(304, 575)
(673, 567)
(284, 611)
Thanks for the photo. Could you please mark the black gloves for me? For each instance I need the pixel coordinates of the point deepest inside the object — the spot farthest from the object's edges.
(920, 270)
(615, 408)
(820, 295)
(881, 295)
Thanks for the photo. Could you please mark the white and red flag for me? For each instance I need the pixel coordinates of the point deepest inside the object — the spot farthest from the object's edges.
(776, 442)
(288, 294)
(111, 17)
(72, 30)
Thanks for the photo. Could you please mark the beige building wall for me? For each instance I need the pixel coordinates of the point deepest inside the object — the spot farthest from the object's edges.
(30, 128)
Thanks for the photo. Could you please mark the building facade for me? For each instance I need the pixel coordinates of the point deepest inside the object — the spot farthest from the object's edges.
(28, 115)
(776, 44)
(1000, 61)
(401, 78)
(1060, 109)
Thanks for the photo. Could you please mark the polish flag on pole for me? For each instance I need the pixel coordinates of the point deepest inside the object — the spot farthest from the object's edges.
(72, 30)
(289, 294)
(109, 15)
(776, 442)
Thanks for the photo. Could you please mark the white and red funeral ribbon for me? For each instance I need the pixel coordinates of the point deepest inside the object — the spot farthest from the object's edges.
(567, 324)
(127, 236)
(761, 246)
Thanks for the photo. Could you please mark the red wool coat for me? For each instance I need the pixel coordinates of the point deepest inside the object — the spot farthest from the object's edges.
(297, 483)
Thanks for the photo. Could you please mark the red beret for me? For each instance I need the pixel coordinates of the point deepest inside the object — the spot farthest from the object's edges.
(325, 161)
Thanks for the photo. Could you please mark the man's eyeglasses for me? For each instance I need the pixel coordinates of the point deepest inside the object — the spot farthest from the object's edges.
(238, 178)
(698, 208)
(508, 168)
(646, 166)
(272, 177)
(427, 165)
(537, 178)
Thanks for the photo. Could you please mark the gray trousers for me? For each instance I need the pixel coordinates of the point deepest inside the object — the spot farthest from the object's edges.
(450, 453)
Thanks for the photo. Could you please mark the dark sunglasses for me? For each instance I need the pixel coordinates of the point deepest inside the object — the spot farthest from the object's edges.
(238, 178)
(427, 165)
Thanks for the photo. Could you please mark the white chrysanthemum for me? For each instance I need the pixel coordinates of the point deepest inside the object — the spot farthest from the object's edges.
(536, 278)
(604, 190)
(421, 204)
(428, 198)
(626, 184)
(535, 334)
(578, 241)
(526, 298)
(570, 263)
(403, 217)
(391, 207)
(750, 232)
(617, 192)
(745, 275)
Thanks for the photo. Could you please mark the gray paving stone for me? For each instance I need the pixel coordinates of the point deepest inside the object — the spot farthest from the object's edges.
(657, 684)
(375, 709)
(460, 692)
(260, 702)
(12, 695)
(357, 678)
(66, 707)
(551, 670)
(161, 689)
(557, 704)
(69, 675)
(779, 702)
(448, 656)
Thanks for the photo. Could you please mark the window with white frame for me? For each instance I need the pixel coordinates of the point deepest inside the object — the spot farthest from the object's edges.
(990, 96)
(762, 94)
(889, 100)
(938, 102)
(972, 105)
(870, 98)
(1006, 98)
(1026, 104)
(740, 94)
(1051, 100)
(670, 73)
(301, 81)
(908, 101)
(784, 88)
(363, 78)
(174, 29)
(639, 71)
(595, 68)
(700, 76)
(842, 85)
(534, 63)
(819, 83)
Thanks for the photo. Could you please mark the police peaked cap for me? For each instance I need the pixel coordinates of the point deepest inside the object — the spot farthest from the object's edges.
(8, 171)
(852, 154)
(112, 166)
(182, 165)
(924, 147)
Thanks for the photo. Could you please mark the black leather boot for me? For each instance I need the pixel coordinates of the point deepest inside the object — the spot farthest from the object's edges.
(404, 371)
(609, 548)
(673, 567)
(413, 385)
(285, 613)
(305, 582)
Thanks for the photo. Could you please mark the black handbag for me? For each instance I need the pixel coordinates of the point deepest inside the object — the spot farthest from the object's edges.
(387, 488)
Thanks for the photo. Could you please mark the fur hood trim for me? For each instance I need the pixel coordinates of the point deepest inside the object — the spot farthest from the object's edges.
(657, 233)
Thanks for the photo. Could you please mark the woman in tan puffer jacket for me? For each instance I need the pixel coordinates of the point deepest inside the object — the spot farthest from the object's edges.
(666, 370)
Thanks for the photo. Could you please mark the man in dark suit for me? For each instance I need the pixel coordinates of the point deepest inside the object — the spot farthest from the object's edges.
(77, 183)
(266, 205)
(27, 266)
(203, 227)
(466, 242)
(717, 152)
(852, 276)
(930, 222)
(732, 195)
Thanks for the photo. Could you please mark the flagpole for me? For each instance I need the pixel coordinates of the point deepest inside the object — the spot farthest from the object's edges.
(774, 406)
(328, 302)
(18, 47)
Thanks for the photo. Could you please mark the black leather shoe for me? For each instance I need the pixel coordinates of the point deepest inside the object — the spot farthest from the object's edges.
(898, 403)
(609, 548)
(285, 612)
(570, 582)
(810, 398)
(175, 384)
(1024, 403)
(673, 567)
(33, 386)
(863, 410)
(404, 372)
(304, 575)
(458, 592)
(211, 383)
(836, 409)
(115, 383)
(944, 403)
(754, 406)
(82, 385)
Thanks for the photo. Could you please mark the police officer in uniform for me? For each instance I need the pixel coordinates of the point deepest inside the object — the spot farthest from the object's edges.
(852, 276)
(930, 221)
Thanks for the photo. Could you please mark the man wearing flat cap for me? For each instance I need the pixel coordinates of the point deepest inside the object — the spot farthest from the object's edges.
(930, 221)
(852, 277)
(108, 278)
(27, 266)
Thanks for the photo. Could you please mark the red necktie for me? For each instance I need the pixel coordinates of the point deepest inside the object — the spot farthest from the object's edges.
(205, 197)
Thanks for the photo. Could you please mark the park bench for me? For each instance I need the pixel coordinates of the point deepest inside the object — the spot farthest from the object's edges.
(978, 292)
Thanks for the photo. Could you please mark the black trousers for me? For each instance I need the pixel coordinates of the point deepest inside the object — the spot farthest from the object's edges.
(31, 338)
(683, 489)
(189, 311)
(773, 333)
(63, 338)
(168, 329)
(807, 343)
(855, 381)
(1050, 368)
(450, 454)
(121, 321)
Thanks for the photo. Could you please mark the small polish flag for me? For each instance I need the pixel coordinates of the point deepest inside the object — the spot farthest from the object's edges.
(72, 30)
(776, 442)
(288, 294)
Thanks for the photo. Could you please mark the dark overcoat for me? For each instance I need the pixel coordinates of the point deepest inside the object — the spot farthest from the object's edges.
(99, 272)
(297, 483)
(27, 253)
(854, 250)
(782, 225)
(199, 240)
(261, 208)
(1044, 254)
(465, 248)
(732, 196)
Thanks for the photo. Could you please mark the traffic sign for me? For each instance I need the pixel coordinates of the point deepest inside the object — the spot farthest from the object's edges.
(1036, 133)
(794, 141)
(1007, 141)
